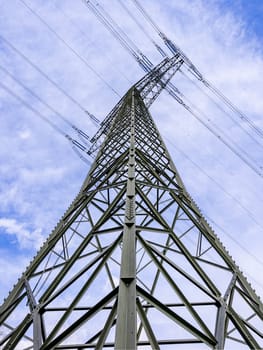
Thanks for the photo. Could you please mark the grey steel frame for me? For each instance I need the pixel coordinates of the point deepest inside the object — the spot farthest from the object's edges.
(133, 249)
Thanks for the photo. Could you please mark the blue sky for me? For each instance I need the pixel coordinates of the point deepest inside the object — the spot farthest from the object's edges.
(250, 11)
(40, 174)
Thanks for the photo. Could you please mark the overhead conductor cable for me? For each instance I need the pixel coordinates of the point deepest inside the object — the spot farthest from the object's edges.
(59, 37)
(161, 51)
(74, 143)
(186, 60)
(111, 25)
(81, 133)
(41, 72)
(176, 49)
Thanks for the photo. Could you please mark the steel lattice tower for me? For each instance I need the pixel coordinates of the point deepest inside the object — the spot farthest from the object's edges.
(132, 263)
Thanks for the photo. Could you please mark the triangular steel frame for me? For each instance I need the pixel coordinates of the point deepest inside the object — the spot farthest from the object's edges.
(132, 263)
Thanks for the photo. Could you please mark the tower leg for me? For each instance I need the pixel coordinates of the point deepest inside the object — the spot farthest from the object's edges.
(126, 310)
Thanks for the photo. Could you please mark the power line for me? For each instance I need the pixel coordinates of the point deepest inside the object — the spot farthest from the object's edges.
(76, 145)
(161, 51)
(81, 133)
(229, 143)
(172, 47)
(35, 111)
(146, 64)
(42, 101)
(216, 134)
(146, 15)
(40, 71)
(220, 107)
(229, 146)
(254, 257)
(122, 33)
(173, 95)
(56, 85)
(123, 39)
(84, 34)
(59, 37)
(176, 49)
(217, 183)
(241, 115)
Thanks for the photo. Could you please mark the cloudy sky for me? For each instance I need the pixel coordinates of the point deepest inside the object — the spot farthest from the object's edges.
(59, 52)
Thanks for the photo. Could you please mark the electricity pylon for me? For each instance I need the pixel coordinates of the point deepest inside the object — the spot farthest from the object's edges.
(132, 263)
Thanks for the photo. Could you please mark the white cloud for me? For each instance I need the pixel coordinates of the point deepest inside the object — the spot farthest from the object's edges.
(25, 238)
(24, 134)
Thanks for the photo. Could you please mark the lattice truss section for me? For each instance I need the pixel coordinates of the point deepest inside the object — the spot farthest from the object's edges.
(132, 263)
(150, 86)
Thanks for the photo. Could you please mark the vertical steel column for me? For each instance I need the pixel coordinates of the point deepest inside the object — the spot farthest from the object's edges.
(220, 331)
(37, 334)
(126, 309)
